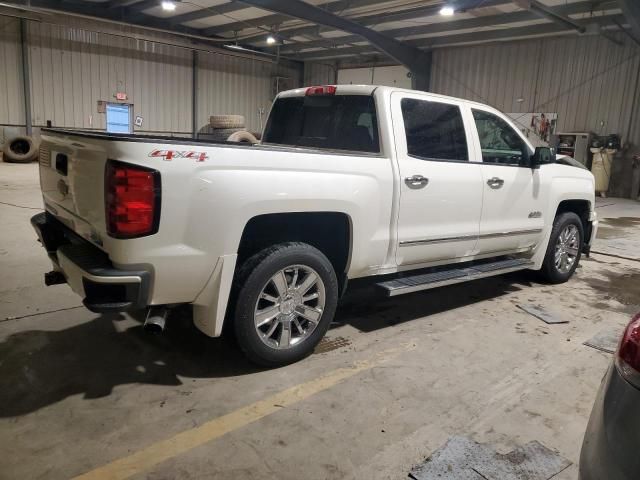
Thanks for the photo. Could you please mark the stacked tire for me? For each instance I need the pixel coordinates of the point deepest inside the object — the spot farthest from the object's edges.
(228, 128)
(20, 149)
(223, 126)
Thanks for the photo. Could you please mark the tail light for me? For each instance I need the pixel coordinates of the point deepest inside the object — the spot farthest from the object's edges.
(629, 352)
(321, 90)
(132, 200)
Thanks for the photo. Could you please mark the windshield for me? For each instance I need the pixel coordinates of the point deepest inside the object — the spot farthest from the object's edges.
(336, 122)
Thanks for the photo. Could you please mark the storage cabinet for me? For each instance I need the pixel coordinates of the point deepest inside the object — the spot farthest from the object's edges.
(574, 144)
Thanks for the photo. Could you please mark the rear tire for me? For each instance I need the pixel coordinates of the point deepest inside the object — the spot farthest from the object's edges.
(564, 249)
(285, 300)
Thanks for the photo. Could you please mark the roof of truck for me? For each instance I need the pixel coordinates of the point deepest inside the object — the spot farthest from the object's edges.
(349, 89)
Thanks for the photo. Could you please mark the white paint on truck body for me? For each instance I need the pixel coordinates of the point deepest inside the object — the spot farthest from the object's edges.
(209, 197)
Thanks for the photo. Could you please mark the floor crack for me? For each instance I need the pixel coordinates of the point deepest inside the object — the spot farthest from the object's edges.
(20, 206)
(7, 319)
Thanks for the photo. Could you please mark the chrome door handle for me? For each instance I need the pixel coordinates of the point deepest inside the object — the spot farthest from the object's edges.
(416, 181)
(495, 182)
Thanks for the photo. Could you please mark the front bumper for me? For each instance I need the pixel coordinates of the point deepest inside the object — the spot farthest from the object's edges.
(88, 270)
(590, 233)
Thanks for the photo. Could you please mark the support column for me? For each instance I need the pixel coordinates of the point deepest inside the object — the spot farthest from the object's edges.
(26, 77)
(194, 92)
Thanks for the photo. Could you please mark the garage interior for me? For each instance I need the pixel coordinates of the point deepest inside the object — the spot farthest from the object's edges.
(93, 396)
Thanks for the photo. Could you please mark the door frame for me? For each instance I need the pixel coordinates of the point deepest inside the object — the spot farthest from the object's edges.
(401, 151)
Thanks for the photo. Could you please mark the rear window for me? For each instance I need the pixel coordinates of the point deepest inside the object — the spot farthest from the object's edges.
(340, 122)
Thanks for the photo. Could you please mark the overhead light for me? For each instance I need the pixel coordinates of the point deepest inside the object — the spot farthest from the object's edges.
(271, 40)
(447, 11)
(168, 5)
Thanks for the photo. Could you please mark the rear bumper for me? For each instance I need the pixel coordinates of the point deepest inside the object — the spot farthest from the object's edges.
(609, 450)
(88, 270)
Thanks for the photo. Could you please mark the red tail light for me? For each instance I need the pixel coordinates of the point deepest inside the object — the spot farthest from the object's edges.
(629, 352)
(321, 90)
(132, 200)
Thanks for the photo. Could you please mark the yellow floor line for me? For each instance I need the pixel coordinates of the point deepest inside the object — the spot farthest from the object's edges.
(158, 452)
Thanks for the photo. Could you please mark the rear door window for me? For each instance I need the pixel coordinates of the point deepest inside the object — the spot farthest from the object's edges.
(336, 122)
(434, 130)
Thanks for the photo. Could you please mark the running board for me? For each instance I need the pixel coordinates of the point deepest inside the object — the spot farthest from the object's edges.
(427, 281)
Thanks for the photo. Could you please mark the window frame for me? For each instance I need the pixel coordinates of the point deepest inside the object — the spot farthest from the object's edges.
(399, 132)
(509, 122)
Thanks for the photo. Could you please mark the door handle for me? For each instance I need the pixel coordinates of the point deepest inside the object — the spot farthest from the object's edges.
(495, 182)
(416, 181)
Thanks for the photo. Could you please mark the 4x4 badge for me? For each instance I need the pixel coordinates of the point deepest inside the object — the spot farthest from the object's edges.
(169, 155)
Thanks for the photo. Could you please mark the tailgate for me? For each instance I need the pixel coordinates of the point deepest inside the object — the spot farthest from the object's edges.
(72, 172)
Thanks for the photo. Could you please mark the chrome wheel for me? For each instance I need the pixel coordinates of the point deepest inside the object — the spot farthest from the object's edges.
(567, 248)
(289, 307)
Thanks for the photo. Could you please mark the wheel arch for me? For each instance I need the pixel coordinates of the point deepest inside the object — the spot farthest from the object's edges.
(330, 232)
(580, 207)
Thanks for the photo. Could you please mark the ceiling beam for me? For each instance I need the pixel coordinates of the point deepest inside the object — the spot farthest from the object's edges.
(207, 12)
(631, 10)
(465, 38)
(121, 3)
(142, 5)
(417, 61)
(122, 14)
(235, 5)
(549, 13)
(363, 19)
(442, 27)
(374, 19)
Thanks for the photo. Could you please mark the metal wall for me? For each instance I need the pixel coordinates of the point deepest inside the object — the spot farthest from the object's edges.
(75, 65)
(589, 80)
(316, 73)
(72, 68)
(236, 85)
(11, 97)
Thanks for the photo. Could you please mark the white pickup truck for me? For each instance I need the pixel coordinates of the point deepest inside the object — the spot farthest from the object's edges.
(416, 189)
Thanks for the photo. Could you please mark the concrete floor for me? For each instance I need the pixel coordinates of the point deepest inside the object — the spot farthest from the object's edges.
(80, 390)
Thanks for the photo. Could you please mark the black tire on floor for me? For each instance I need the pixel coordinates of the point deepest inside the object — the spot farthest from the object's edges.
(549, 271)
(20, 149)
(250, 280)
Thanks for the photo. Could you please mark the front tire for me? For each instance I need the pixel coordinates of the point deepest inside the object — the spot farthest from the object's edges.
(564, 248)
(286, 299)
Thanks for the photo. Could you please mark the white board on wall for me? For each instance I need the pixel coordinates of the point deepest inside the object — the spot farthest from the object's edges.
(396, 76)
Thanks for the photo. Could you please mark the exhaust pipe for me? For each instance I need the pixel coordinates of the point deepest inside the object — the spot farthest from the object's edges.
(156, 319)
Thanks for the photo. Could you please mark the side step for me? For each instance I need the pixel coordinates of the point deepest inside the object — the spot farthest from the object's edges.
(441, 278)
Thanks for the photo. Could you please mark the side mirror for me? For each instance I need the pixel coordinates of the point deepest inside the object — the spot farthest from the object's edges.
(541, 156)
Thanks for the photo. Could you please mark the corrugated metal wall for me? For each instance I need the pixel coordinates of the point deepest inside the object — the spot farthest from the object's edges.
(74, 66)
(11, 97)
(589, 81)
(319, 73)
(236, 85)
(71, 69)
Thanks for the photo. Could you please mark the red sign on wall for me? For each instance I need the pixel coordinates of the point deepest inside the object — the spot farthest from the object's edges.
(121, 96)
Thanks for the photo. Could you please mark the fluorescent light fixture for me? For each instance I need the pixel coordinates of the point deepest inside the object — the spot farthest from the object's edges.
(168, 5)
(271, 39)
(447, 11)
